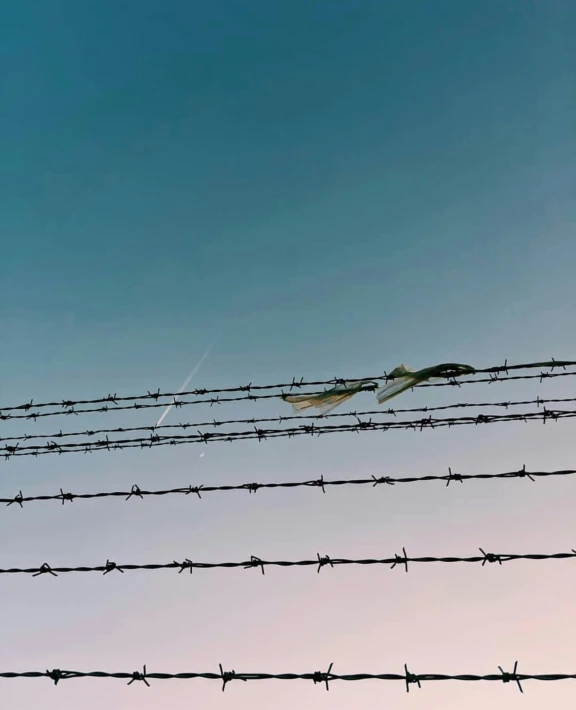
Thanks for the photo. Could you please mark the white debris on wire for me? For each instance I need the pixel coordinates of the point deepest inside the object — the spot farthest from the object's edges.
(327, 401)
(402, 378)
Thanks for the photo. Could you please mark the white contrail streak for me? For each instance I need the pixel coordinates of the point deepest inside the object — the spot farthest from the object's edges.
(190, 376)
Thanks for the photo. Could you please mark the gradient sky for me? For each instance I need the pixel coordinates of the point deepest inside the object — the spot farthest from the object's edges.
(338, 187)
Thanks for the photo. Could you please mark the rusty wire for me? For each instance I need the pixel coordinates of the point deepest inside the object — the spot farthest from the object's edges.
(260, 434)
(321, 483)
(317, 677)
(111, 401)
(321, 561)
(539, 401)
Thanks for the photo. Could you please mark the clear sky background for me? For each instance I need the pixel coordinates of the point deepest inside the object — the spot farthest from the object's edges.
(338, 187)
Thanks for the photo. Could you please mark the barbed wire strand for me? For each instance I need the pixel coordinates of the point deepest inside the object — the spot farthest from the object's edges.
(259, 434)
(69, 405)
(321, 561)
(177, 403)
(322, 483)
(317, 677)
(265, 420)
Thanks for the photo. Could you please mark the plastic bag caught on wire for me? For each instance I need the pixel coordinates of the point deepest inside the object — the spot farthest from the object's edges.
(328, 400)
(405, 378)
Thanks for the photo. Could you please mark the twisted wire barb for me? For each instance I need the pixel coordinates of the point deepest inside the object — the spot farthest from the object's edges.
(322, 483)
(323, 677)
(257, 562)
(260, 434)
(212, 396)
(215, 423)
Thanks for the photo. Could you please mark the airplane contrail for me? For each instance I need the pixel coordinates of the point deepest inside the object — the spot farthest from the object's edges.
(190, 376)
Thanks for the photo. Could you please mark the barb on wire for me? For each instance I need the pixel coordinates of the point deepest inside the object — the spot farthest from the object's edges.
(110, 566)
(317, 677)
(255, 562)
(150, 400)
(216, 423)
(227, 676)
(411, 678)
(400, 560)
(139, 676)
(323, 561)
(9, 451)
(322, 483)
(508, 677)
(490, 557)
(319, 562)
(324, 677)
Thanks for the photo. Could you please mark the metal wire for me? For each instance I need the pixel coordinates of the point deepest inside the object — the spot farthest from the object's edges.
(266, 420)
(110, 402)
(322, 483)
(256, 562)
(260, 434)
(317, 677)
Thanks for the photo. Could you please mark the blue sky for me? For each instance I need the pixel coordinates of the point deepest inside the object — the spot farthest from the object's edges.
(336, 186)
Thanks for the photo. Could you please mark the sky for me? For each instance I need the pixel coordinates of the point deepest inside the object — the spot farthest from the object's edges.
(336, 187)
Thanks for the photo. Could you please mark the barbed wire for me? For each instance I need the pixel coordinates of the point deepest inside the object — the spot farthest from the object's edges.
(264, 420)
(72, 410)
(321, 483)
(256, 562)
(70, 407)
(317, 677)
(260, 434)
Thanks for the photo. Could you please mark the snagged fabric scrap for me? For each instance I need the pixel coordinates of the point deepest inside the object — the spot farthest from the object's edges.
(328, 400)
(405, 378)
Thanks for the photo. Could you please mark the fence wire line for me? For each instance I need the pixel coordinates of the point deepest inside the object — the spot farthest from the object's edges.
(267, 420)
(256, 562)
(259, 434)
(317, 677)
(177, 403)
(69, 406)
(322, 483)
